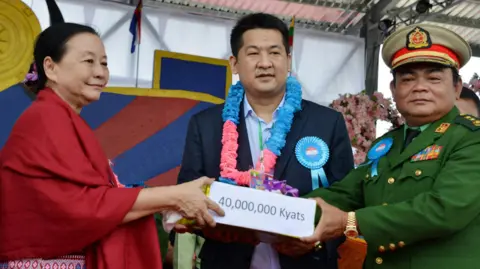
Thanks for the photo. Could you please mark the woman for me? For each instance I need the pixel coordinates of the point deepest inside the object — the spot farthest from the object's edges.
(59, 199)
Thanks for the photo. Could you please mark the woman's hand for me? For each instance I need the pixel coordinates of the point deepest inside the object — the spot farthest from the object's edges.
(187, 199)
(192, 203)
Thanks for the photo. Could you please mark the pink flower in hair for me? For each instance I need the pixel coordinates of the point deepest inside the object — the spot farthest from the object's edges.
(33, 75)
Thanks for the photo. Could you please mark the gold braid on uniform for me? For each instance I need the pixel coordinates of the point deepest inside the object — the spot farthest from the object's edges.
(469, 121)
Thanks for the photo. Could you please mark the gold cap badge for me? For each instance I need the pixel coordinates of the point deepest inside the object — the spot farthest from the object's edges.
(418, 38)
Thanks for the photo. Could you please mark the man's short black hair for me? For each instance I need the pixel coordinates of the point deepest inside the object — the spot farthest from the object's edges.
(257, 21)
(468, 94)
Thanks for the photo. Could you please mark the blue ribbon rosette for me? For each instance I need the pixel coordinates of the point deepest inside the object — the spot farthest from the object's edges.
(313, 153)
(378, 151)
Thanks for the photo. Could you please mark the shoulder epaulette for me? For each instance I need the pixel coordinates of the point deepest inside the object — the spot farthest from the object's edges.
(469, 121)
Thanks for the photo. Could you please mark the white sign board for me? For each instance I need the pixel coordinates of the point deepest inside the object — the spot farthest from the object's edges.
(264, 211)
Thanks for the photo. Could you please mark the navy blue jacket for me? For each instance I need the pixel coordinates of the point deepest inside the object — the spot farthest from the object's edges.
(201, 157)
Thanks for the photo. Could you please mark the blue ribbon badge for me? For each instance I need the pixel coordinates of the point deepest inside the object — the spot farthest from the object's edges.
(313, 153)
(378, 151)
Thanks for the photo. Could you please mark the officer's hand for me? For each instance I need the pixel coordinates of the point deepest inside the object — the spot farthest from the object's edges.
(332, 224)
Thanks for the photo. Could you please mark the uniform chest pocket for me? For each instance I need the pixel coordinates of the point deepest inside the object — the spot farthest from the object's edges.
(370, 179)
(420, 170)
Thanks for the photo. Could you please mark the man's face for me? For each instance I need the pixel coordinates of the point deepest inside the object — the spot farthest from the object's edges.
(262, 62)
(467, 106)
(424, 92)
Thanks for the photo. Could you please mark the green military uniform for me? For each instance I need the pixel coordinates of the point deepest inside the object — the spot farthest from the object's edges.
(422, 208)
(424, 213)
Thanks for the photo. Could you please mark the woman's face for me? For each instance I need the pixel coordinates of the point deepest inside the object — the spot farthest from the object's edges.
(82, 73)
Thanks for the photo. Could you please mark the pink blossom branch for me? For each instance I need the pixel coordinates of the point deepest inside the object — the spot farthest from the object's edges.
(361, 112)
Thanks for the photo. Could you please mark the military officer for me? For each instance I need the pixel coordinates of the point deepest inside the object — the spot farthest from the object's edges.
(416, 200)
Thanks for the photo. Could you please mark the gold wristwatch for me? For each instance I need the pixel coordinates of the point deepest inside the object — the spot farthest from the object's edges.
(351, 229)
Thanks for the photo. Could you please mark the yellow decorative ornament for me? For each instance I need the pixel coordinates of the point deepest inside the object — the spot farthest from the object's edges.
(19, 28)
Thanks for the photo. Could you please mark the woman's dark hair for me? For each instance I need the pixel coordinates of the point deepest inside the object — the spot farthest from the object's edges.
(52, 43)
(257, 21)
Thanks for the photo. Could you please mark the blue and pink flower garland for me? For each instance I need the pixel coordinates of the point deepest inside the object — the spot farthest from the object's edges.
(274, 145)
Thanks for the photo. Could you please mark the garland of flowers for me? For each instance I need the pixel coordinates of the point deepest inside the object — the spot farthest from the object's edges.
(273, 146)
(361, 112)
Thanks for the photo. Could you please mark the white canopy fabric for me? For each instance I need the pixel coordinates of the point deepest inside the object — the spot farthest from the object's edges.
(326, 64)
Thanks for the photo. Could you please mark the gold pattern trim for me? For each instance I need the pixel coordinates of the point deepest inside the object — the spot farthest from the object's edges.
(425, 60)
(424, 54)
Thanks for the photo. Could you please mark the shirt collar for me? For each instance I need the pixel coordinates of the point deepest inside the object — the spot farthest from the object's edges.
(420, 128)
(447, 118)
(248, 110)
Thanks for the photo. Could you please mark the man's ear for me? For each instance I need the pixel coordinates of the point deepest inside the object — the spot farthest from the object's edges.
(458, 89)
(392, 89)
(289, 62)
(233, 64)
